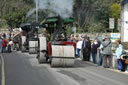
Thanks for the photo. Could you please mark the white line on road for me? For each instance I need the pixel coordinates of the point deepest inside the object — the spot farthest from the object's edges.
(0, 60)
(2, 71)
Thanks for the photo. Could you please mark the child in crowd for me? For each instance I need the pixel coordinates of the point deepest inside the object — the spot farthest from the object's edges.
(10, 43)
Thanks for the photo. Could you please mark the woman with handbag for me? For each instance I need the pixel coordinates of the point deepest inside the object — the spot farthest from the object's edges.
(119, 54)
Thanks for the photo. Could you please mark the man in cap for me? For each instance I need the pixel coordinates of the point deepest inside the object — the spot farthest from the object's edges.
(107, 52)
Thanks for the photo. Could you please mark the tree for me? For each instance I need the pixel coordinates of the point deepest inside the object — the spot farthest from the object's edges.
(15, 19)
(89, 13)
(116, 13)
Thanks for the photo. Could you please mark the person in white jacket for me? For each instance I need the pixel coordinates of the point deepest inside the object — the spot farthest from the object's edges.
(78, 47)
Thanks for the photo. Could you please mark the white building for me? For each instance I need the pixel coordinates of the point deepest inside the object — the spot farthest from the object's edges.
(124, 21)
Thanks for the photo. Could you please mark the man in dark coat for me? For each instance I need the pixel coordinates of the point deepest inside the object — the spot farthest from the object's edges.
(84, 50)
(94, 51)
(88, 47)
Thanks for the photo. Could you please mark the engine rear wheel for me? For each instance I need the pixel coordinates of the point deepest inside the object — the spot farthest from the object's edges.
(42, 50)
(62, 56)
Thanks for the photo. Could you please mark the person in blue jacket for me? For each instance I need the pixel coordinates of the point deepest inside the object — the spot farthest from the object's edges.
(119, 52)
(94, 47)
(1, 42)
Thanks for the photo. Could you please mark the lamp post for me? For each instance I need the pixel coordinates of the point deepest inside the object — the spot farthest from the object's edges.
(37, 11)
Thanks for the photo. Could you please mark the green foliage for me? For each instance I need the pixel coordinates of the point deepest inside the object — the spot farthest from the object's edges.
(15, 19)
(116, 11)
(91, 13)
(11, 9)
(96, 27)
(28, 1)
(69, 30)
(3, 24)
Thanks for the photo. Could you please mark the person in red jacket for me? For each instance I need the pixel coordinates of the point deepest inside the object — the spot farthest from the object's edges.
(4, 45)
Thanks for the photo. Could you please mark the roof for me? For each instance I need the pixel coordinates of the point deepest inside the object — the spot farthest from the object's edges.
(55, 20)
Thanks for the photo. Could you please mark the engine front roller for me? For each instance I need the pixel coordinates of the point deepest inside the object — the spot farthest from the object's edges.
(62, 55)
(41, 55)
(23, 39)
(33, 45)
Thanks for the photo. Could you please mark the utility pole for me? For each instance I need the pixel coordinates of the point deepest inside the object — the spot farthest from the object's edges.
(37, 11)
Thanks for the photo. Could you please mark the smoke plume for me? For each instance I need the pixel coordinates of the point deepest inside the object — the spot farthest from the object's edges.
(63, 8)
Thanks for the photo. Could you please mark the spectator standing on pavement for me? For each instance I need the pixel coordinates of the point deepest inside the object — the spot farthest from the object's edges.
(94, 50)
(1, 42)
(119, 53)
(4, 35)
(78, 47)
(107, 52)
(100, 62)
(126, 64)
(84, 50)
(123, 57)
(15, 42)
(88, 46)
(77, 38)
(99, 42)
(71, 38)
(4, 45)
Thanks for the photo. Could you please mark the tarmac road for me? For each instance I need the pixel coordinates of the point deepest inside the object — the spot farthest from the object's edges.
(23, 69)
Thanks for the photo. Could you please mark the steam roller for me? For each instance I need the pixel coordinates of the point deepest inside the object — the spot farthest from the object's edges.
(58, 55)
(54, 47)
(29, 38)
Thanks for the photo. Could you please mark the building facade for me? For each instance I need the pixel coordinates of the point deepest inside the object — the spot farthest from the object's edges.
(124, 21)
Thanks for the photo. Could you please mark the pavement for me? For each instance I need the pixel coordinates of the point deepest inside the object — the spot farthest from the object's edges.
(24, 69)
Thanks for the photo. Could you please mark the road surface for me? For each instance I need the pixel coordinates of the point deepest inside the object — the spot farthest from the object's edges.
(24, 69)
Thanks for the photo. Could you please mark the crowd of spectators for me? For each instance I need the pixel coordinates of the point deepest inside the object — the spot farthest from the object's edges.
(88, 49)
(5, 43)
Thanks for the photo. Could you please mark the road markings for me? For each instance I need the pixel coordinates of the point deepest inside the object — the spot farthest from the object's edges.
(0, 60)
(2, 71)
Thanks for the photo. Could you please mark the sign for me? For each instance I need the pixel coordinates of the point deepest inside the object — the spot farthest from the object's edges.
(119, 24)
(115, 36)
(111, 23)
